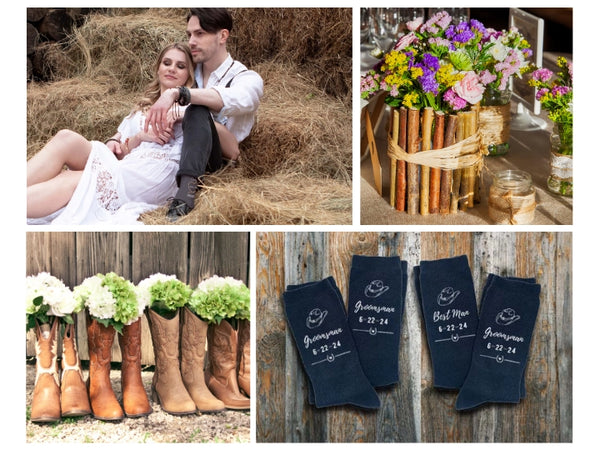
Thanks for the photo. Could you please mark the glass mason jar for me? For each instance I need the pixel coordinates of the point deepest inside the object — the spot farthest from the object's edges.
(511, 198)
(560, 180)
(494, 120)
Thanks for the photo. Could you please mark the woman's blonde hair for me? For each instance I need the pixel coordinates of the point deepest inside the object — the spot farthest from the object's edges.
(152, 92)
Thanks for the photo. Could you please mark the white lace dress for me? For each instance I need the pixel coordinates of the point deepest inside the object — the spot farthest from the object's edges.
(113, 191)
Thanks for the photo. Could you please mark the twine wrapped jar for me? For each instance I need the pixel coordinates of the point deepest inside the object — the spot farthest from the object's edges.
(560, 180)
(494, 120)
(511, 198)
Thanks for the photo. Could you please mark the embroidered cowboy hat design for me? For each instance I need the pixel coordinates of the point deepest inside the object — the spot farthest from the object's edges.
(447, 296)
(315, 318)
(507, 316)
(375, 288)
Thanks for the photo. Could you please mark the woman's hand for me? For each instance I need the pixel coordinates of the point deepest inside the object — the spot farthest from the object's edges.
(161, 138)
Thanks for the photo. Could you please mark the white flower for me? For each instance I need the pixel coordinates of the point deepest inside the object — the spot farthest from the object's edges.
(216, 282)
(55, 294)
(97, 298)
(499, 51)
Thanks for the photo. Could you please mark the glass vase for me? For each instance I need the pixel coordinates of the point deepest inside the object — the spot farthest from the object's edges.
(560, 180)
(494, 120)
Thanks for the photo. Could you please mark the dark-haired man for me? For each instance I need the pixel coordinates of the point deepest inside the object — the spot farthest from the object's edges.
(222, 108)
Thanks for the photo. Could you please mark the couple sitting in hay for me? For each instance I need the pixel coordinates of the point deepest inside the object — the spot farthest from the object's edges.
(200, 105)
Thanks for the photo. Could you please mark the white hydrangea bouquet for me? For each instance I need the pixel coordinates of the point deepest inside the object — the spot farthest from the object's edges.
(110, 299)
(221, 298)
(165, 294)
(46, 297)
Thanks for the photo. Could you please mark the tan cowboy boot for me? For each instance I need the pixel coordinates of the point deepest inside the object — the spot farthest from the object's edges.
(221, 376)
(45, 406)
(74, 399)
(243, 356)
(193, 348)
(105, 405)
(167, 386)
(135, 399)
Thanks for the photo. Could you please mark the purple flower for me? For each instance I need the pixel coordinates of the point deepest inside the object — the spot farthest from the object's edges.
(542, 74)
(560, 90)
(540, 93)
(455, 102)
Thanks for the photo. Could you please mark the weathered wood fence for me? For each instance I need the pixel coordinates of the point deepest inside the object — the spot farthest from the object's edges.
(190, 256)
(413, 411)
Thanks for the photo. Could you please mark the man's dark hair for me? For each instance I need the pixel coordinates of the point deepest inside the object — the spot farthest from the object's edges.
(212, 19)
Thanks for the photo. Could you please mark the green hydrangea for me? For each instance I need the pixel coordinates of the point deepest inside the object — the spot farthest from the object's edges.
(219, 298)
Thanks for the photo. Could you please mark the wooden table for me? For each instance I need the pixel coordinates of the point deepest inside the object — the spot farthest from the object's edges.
(413, 411)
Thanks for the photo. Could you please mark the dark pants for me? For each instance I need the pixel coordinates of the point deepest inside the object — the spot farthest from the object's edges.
(201, 150)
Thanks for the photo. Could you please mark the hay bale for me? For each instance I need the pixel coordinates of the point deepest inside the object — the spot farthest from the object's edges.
(90, 107)
(122, 46)
(299, 129)
(228, 198)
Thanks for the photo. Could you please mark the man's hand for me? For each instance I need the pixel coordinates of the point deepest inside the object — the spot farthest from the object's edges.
(157, 117)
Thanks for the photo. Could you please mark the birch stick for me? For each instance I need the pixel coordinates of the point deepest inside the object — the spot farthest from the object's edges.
(394, 121)
(401, 165)
(467, 187)
(412, 170)
(425, 145)
(446, 178)
(436, 173)
(457, 174)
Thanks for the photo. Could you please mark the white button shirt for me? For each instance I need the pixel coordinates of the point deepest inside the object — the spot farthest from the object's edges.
(240, 97)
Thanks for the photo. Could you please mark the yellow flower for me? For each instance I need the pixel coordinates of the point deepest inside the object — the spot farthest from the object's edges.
(410, 99)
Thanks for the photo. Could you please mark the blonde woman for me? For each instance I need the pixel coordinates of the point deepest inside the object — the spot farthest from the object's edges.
(132, 172)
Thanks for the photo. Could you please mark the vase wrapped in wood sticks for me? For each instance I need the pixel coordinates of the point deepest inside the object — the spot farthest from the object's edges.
(436, 160)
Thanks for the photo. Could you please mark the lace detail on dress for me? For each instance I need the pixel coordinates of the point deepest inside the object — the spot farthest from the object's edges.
(154, 154)
(106, 192)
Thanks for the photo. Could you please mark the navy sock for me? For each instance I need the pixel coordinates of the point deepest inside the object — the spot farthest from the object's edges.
(317, 320)
(447, 299)
(506, 321)
(375, 308)
(338, 295)
(522, 389)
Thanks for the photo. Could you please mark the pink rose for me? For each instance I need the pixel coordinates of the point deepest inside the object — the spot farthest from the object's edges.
(405, 41)
(469, 88)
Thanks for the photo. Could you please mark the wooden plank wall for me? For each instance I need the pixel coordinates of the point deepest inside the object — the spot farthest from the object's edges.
(192, 257)
(413, 411)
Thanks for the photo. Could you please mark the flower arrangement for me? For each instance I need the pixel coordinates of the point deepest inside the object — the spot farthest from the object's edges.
(445, 66)
(110, 299)
(218, 298)
(555, 93)
(46, 297)
(165, 294)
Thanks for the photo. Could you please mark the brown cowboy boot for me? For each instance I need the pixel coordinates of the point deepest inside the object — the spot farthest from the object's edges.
(243, 356)
(193, 348)
(135, 399)
(221, 376)
(167, 386)
(45, 406)
(105, 405)
(74, 399)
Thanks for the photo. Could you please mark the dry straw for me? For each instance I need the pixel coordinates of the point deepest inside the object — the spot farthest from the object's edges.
(296, 164)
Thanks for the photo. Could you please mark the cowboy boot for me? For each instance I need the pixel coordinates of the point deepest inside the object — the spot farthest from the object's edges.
(221, 376)
(243, 356)
(167, 386)
(135, 399)
(45, 405)
(105, 405)
(74, 399)
(193, 349)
